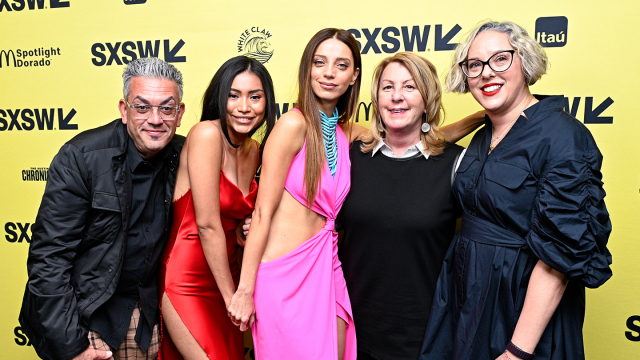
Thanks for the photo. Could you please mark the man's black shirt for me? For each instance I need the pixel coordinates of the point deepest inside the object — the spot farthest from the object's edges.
(138, 279)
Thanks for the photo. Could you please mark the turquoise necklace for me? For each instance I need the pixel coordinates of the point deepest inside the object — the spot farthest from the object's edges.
(329, 135)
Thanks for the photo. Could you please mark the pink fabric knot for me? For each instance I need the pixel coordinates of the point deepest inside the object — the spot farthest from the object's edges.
(330, 224)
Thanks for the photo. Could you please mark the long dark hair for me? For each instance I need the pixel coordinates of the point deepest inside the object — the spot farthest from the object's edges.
(307, 103)
(214, 101)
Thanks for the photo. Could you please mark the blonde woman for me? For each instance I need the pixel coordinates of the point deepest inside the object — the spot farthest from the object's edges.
(399, 217)
(535, 227)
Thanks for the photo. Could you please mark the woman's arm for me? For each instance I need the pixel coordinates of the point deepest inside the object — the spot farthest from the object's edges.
(284, 143)
(461, 128)
(546, 287)
(204, 162)
(353, 131)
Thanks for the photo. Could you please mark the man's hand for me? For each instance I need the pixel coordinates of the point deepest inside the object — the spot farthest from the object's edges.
(91, 354)
(246, 225)
(242, 231)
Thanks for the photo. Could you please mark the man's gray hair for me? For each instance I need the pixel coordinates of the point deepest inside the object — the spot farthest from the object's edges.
(152, 68)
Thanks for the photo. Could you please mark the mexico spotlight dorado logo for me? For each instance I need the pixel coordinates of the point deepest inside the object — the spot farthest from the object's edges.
(255, 44)
(22, 58)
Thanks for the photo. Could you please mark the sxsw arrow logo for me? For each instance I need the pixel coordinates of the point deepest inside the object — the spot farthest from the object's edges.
(405, 38)
(120, 53)
(591, 115)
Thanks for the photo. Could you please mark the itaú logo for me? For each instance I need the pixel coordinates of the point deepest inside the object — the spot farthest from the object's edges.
(552, 31)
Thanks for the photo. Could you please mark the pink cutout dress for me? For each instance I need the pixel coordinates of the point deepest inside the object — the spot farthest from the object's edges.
(298, 296)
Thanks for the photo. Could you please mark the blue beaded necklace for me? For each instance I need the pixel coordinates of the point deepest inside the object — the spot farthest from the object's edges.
(329, 135)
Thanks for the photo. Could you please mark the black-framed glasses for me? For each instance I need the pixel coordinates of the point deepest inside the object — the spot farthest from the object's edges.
(144, 111)
(498, 62)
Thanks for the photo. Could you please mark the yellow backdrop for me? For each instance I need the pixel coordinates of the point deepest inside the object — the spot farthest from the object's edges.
(61, 65)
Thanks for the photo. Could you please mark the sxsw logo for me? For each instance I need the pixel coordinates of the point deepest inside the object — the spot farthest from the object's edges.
(591, 115)
(633, 324)
(124, 52)
(133, 2)
(21, 339)
(19, 5)
(552, 31)
(395, 39)
(18, 232)
(40, 119)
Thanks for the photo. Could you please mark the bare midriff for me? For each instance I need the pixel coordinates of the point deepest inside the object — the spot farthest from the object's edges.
(292, 225)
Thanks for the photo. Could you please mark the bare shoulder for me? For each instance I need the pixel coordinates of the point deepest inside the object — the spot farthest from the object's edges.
(290, 130)
(354, 131)
(205, 133)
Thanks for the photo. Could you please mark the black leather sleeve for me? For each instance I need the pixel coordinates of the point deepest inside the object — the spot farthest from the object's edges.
(49, 314)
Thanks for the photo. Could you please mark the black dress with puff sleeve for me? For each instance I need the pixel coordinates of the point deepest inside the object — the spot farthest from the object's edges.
(537, 196)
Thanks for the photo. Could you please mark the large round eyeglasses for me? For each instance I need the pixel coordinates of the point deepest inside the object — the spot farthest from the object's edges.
(144, 111)
(498, 62)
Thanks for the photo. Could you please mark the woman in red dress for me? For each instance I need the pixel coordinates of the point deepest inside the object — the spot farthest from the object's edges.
(215, 190)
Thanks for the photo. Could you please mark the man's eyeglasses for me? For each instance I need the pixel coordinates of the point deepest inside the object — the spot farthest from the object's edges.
(144, 111)
(497, 62)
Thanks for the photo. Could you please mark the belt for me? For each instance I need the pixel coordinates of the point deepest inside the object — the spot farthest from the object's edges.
(485, 232)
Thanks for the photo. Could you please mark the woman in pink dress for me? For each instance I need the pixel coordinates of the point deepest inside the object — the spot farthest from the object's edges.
(290, 267)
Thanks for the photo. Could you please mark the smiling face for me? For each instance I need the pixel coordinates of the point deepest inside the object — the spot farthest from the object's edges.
(246, 105)
(400, 103)
(331, 73)
(153, 134)
(497, 92)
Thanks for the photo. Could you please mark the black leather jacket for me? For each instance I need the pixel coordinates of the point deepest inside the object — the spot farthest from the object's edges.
(79, 237)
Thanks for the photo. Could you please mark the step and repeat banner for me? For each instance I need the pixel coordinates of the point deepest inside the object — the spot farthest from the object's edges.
(60, 74)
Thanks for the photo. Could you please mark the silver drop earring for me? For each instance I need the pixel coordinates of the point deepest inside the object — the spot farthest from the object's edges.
(425, 127)
(380, 127)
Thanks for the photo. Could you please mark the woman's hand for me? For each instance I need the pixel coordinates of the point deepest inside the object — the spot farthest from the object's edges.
(242, 310)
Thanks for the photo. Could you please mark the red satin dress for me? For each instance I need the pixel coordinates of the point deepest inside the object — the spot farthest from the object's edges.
(189, 283)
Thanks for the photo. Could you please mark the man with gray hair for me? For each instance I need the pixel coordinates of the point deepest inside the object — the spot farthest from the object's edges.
(102, 226)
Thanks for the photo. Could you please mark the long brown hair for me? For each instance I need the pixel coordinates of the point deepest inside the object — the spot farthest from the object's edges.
(307, 103)
(426, 78)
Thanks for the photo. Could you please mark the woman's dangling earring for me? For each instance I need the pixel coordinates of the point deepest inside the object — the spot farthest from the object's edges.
(425, 125)
(380, 127)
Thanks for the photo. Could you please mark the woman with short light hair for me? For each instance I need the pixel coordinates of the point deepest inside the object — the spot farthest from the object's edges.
(535, 227)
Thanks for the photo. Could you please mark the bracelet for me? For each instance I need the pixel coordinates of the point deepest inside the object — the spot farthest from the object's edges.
(507, 355)
(519, 352)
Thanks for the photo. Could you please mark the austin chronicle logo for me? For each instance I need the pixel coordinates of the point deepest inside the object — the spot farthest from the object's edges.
(254, 43)
(552, 31)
